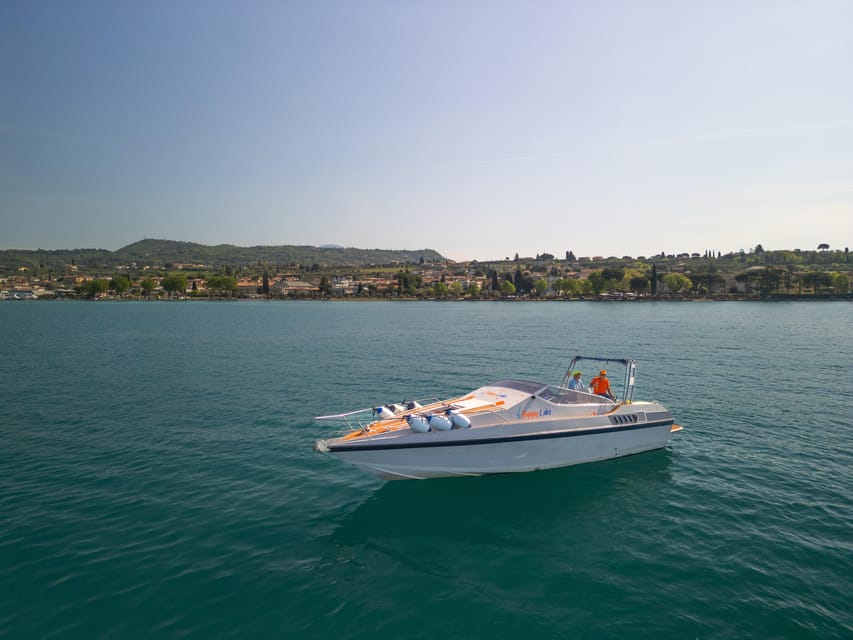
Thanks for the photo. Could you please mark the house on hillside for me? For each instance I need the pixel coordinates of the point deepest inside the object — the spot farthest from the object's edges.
(248, 287)
(293, 287)
(343, 285)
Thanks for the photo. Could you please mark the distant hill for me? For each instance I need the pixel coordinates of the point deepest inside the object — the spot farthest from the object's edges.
(163, 252)
(172, 251)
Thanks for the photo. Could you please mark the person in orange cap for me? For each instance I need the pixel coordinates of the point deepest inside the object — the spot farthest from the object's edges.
(601, 385)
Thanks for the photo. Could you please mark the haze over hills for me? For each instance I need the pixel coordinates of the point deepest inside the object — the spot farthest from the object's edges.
(153, 251)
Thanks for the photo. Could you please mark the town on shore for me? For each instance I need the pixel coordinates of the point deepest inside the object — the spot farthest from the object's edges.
(337, 273)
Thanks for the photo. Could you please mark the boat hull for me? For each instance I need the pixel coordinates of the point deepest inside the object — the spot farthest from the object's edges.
(465, 453)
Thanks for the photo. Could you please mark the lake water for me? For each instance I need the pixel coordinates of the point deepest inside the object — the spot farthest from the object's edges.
(157, 478)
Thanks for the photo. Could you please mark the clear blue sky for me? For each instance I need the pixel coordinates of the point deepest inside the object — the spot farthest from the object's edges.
(477, 128)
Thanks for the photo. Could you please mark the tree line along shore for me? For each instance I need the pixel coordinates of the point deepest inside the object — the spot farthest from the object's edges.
(753, 274)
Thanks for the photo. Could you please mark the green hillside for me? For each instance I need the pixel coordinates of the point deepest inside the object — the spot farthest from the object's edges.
(164, 252)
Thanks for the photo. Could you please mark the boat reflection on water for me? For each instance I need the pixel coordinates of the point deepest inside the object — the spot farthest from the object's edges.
(534, 503)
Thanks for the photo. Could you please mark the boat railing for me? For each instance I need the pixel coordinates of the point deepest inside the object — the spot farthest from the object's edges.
(362, 419)
(629, 366)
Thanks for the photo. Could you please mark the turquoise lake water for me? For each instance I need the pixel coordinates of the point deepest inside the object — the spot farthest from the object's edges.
(157, 478)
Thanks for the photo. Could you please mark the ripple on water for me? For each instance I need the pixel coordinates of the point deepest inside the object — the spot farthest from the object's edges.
(158, 478)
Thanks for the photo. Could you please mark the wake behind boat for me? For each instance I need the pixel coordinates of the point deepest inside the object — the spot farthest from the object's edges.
(502, 427)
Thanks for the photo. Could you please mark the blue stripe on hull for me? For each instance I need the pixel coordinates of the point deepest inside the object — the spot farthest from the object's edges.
(513, 438)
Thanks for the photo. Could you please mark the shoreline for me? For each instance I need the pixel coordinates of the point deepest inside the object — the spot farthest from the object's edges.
(729, 298)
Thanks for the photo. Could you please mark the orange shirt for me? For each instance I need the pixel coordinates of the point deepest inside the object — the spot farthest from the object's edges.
(600, 386)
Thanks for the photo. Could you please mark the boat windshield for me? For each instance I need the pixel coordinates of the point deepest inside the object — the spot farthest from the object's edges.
(525, 386)
(559, 395)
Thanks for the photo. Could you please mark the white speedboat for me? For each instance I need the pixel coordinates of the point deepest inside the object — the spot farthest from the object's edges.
(502, 427)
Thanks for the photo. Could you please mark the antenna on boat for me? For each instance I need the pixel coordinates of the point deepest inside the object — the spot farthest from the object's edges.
(630, 376)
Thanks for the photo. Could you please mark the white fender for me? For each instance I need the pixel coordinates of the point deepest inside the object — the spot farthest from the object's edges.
(383, 413)
(440, 422)
(418, 423)
(460, 420)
